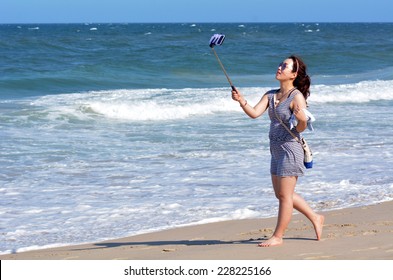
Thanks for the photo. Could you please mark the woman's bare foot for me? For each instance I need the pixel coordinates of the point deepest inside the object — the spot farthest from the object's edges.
(318, 225)
(272, 241)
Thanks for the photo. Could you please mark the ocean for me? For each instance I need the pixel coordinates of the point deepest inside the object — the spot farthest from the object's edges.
(111, 130)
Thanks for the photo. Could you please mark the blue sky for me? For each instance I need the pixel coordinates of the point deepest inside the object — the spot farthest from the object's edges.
(70, 11)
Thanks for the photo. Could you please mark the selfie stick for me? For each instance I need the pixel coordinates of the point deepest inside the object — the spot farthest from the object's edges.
(217, 40)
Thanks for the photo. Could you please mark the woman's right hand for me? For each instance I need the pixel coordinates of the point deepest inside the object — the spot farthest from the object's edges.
(236, 95)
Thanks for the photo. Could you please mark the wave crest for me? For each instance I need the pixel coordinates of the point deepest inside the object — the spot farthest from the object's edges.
(173, 104)
(361, 92)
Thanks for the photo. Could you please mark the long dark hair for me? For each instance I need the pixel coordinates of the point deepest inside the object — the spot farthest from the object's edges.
(302, 81)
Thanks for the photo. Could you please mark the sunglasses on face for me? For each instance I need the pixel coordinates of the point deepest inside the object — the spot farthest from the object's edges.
(283, 66)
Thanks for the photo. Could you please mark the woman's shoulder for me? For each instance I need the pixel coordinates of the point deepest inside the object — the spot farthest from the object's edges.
(297, 91)
(297, 94)
(298, 98)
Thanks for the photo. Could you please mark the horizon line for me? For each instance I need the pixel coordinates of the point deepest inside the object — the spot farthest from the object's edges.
(197, 22)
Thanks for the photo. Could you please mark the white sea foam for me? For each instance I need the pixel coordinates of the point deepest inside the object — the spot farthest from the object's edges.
(167, 104)
(151, 110)
(355, 93)
(139, 105)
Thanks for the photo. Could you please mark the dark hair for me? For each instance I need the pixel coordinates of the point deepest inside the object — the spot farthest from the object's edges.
(302, 81)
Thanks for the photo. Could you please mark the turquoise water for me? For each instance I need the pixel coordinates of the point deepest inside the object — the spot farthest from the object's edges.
(109, 130)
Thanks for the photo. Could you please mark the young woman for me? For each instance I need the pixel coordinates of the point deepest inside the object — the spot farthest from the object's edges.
(287, 154)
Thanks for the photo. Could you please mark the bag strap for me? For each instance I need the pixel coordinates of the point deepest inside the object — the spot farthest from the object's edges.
(283, 124)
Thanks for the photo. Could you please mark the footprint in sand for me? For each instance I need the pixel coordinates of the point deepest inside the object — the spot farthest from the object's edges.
(370, 232)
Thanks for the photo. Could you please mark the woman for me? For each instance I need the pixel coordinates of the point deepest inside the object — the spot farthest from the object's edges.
(287, 154)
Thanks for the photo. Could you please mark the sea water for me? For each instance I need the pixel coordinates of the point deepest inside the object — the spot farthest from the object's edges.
(110, 130)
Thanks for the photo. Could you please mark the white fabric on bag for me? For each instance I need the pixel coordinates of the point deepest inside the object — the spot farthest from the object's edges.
(310, 120)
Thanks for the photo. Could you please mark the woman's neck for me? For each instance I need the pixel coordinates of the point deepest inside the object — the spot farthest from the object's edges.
(285, 87)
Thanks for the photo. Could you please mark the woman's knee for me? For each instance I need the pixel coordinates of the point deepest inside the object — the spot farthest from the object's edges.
(284, 196)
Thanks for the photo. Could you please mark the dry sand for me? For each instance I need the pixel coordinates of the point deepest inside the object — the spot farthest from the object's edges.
(362, 233)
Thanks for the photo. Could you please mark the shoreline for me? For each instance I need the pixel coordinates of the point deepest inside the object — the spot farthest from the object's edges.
(361, 233)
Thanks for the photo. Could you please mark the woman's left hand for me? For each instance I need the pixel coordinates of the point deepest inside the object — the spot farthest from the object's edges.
(296, 109)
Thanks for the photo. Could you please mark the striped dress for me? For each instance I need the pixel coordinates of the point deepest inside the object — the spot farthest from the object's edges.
(287, 154)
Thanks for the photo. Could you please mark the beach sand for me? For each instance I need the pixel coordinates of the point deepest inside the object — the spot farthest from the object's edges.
(363, 233)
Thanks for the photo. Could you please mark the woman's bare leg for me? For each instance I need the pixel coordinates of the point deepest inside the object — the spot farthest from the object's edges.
(284, 188)
(317, 220)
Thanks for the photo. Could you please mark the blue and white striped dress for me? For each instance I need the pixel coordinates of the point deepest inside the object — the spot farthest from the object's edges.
(287, 153)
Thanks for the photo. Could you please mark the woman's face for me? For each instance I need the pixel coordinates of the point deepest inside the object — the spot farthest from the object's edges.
(284, 70)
